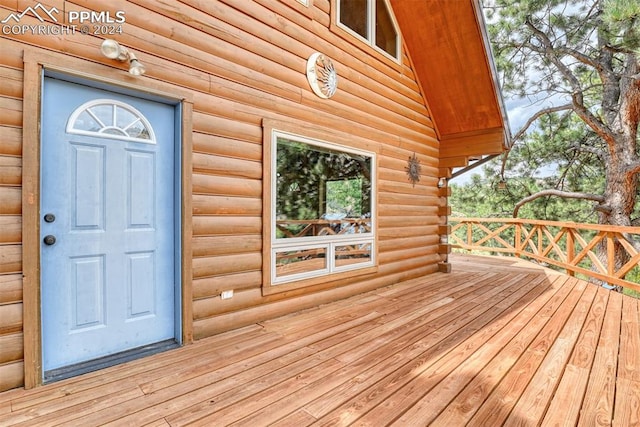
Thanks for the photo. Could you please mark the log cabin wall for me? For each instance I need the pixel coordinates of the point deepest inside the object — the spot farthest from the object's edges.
(244, 62)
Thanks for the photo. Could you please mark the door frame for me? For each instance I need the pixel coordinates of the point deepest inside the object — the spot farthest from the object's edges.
(36, 63)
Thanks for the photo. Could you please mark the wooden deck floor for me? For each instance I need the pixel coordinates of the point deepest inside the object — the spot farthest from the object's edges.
(495, 342)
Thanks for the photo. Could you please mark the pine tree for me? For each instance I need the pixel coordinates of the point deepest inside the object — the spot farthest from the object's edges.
(586, 54)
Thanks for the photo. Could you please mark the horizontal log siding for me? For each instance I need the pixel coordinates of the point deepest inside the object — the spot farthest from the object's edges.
(11, 338)
(243, 61)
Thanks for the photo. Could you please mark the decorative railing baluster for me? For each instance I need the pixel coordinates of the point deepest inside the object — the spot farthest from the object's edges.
(607, 253)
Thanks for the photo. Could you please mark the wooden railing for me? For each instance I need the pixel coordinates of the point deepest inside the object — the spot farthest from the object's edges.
(588, 249)
(322, 227)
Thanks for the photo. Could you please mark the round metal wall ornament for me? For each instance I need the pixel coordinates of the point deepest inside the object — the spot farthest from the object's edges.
(322, 75)
(413, 169)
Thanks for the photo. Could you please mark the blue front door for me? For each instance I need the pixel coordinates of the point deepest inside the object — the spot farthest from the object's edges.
(108, 270)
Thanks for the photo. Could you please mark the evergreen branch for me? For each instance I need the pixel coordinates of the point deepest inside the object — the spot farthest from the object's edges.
(537, 115)
(581, 57)
(577, 95)
(550, 52)
(618, 49)
(559, 193)
(601, 154)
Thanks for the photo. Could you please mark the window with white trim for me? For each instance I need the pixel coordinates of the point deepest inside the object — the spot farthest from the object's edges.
(108, 118)
(322, 208)
(373, 22)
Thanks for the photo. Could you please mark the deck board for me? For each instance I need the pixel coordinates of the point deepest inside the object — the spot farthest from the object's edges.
(421, 409)
(497, 341)
(627, 400)
(534, 401)
(498, 405)
(597, 408)
(520, 333)
(566, 404)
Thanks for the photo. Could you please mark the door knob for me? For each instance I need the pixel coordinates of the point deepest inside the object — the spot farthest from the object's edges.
(49, 217)
(49, 240)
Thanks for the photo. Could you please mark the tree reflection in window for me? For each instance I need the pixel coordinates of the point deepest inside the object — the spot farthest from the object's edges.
(321, 190)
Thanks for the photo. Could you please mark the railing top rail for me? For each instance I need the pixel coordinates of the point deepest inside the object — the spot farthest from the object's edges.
(564, 224)
(608, 253)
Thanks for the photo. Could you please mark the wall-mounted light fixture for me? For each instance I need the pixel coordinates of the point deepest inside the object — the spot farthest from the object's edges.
(113, 50)
(442, 182)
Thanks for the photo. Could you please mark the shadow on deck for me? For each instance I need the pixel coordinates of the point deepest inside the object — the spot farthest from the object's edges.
(497, 341)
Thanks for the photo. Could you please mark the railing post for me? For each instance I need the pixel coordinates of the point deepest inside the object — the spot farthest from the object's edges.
(571, 251)
(539, 240)
(518, 240)
(611, 255)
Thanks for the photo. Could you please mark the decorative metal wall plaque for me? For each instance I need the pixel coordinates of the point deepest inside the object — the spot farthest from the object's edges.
(322, 76)
(413, 169)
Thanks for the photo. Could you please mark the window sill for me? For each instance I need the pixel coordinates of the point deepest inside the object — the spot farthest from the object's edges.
(271, 289)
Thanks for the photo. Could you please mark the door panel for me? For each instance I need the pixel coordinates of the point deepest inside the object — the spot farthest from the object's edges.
(140, 285)
(88, 187)
(141, 182)
(87, 292)
(108, 282)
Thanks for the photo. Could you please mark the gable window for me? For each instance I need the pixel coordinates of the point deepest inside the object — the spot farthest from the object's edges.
(372, 21)
(322, 202)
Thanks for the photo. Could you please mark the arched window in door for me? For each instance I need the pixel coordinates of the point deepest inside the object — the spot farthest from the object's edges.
(108, 118)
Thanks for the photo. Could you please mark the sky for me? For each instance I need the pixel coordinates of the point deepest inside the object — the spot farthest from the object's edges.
(519, 110)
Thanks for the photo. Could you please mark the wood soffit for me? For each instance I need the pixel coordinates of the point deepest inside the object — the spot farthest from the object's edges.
(451, 57)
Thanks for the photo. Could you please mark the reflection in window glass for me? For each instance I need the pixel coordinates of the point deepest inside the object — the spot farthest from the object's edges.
(322, 213)
(113, 131)
(386, 36)
(138, 130)
(87, 123)
(344, 197)
(353, 14)
(321, 191)
(103, 113)
(300, 261)
(124, 118)
(110, 118)
(359, 15)
(346, 255)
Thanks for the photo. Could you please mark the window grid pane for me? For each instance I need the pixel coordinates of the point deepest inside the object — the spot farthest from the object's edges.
(110, 118)
(322, 213)
(386, 35)
(351, 254)
(354, 14)
(321, 191)
(373, 21)
(300, 261)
